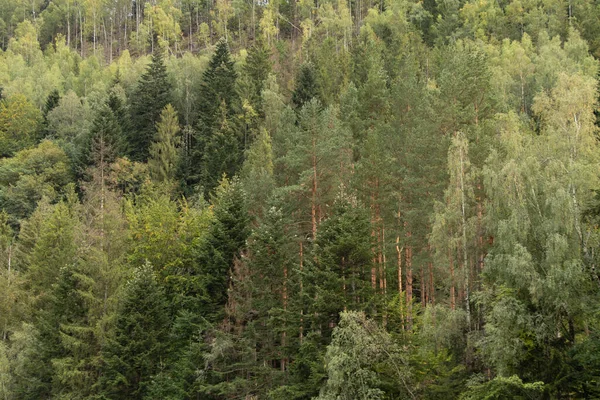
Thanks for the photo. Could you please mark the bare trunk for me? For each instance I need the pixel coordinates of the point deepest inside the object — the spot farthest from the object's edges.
(452, 284)
(301, 290)
(314, 191)
(464, 239)
(409, 285)
(399, 262)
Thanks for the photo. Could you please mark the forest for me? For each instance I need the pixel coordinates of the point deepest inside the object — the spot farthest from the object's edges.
(299, 199)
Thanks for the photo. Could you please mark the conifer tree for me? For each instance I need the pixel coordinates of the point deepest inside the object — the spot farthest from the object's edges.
(164, 153)
(225, 240)
(151, 96)
(306, 85)
(217, 104)
(338, 276)
(51, 102)
(317, 160)
(255, 71)
(223, 154)
(54, 247)
(41, 377)
(117, 102)
(257, 173)
(106, 140)
(138, 347)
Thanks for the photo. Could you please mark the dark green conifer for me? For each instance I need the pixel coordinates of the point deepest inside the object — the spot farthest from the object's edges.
(149, 99)
(217, 103)
(51, 102)
(226, 239)
(306, 85)
(138, 348)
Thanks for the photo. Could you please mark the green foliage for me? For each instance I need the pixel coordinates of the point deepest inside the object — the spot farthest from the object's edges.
(360, 359)
(138, 348)
(19, 121)
(503, 388)
(306, 86)
(30, 175)
(151, 96)
(216, 147)
(164, 152)
(403, 199)
(224, 242)
(338, 279)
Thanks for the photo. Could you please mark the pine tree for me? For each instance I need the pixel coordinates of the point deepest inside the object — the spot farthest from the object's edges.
(151, 96)
(316, 157)
(138, 348)
(164, 152)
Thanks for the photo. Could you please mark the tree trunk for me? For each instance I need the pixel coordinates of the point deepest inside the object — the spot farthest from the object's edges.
(409, 287)
(464, 238)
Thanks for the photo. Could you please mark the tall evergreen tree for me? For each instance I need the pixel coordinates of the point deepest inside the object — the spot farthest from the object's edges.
(225, 240)
(306, 85)
(338, 275)
(51, 102)
(164, 152)
(151, 96)
(217, 104)
(255, 71)
(138, 348)
(117, 102)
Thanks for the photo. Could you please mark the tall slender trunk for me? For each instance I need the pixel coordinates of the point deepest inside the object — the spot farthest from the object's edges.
(9, 284)
(424, 299)
(301, 292)
(464, 239)
(314, 190)
(81, 31)
(431, 285)
(452, 282)
(409, 283)
(399, 263)
(285, 302)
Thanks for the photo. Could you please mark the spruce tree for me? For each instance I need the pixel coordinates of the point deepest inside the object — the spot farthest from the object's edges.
(151, 96)
(117, 103)
(164, 153)
(223, 154)
(225, 240)
(217, 104)
(255, 71)
(338, 275)
(218, 86)
(138, 348)
(306, 85)
(51, 102)
(64, 306)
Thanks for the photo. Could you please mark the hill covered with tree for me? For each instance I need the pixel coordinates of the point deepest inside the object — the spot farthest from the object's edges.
(381, 199)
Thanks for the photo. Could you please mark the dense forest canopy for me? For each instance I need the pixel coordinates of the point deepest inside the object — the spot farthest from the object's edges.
(243, 199)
